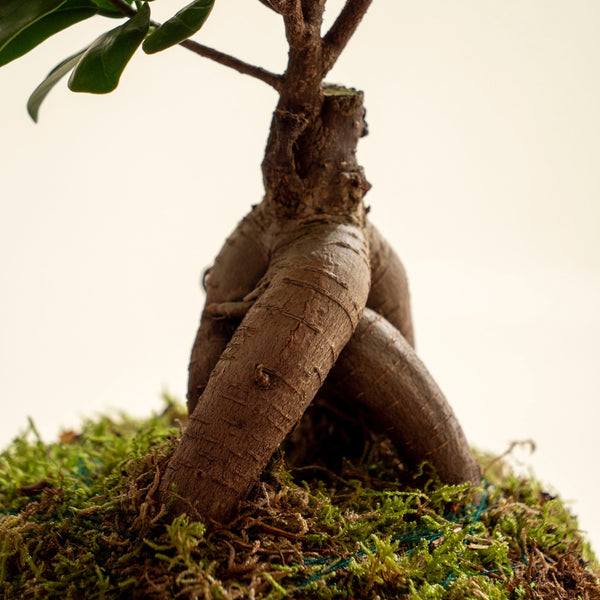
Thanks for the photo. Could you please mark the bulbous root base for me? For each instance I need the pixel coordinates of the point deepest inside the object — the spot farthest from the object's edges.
(314, 285)
(251, 382)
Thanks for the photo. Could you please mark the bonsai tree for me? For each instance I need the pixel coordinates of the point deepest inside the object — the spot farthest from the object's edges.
(305, 295)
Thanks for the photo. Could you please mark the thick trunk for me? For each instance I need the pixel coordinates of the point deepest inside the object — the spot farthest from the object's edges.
(299, 268)
(284, 297)
(304, 307)
(240, 265)
(273, 366)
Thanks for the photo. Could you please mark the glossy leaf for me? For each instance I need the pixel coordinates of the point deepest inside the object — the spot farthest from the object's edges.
(68, 14)
(100, 68)
(179, 27)
(42, 90)
(106, 9)
(17, 15)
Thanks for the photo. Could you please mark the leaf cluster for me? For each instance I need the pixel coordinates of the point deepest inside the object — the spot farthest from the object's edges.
(78, 519)
(98, 67)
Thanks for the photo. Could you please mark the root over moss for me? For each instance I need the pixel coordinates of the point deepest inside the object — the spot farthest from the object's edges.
(78, 519)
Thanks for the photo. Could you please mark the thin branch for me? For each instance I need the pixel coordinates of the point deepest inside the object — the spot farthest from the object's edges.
(295, 26)
(293, 18)
(341, 31)
(313, 13)
(240, 66)
(226, 60)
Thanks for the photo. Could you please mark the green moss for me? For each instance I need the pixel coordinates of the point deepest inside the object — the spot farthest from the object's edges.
(78, 520)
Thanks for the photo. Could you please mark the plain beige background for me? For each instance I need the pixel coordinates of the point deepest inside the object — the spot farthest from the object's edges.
(483, 152)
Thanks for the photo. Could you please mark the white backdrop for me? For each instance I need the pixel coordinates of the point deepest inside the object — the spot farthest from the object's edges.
(483, 152)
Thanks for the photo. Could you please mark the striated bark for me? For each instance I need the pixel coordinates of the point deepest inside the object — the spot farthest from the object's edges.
(273, 366)
(380, 371)
(303, 310)
(239, 266)
(237, 270)
(389, 295)
(286, 299)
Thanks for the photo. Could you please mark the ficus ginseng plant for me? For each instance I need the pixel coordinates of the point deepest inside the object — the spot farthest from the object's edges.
(305, 289)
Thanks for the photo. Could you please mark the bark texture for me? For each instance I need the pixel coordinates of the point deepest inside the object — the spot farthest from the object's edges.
(238, 268)
(299, 269)
(389, 293)
(380, 371)
(268, 374)
(304, 283)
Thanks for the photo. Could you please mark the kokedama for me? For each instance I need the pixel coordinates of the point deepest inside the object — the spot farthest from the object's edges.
(305, 291)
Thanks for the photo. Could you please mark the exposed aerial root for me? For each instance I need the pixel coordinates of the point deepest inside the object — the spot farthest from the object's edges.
(380, 370)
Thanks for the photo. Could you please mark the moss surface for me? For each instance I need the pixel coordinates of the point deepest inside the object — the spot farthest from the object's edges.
(78, 520)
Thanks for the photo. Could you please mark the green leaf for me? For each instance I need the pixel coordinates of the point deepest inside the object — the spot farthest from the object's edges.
(42, 90)
(106, 9)
(71, 12)
(17, 15)
(179, 27)
(100, 68)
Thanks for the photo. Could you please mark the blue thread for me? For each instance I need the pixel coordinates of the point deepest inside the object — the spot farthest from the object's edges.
(478, 512)
(410, 538)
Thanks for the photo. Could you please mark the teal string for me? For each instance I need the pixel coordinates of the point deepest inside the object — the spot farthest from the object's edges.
(479, 511)
(410, 538)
